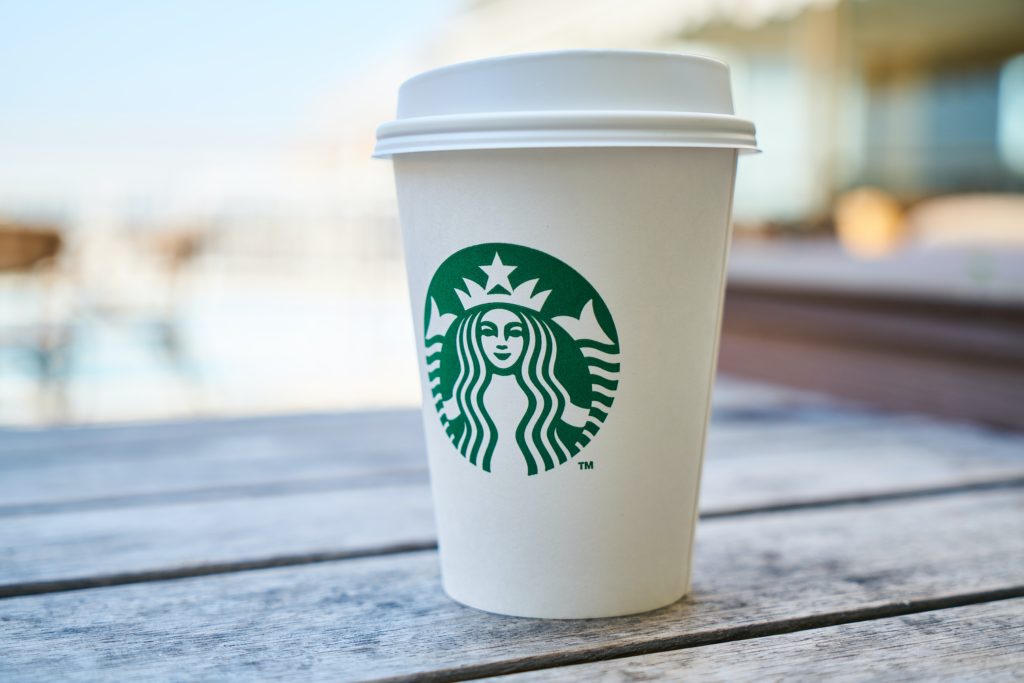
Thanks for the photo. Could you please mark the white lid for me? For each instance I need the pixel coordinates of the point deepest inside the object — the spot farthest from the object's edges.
(572, 98)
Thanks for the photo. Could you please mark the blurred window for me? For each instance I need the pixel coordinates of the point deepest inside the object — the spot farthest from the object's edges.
(1011, 114)
(935, 131)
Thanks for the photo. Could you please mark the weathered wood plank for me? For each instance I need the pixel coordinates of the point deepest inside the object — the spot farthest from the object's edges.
(159, 459)
(89, 463)
(978, 642)
(387, 616)
(61, 441)
(375, 514)
(258, 459)
(183, 538)
(393, 509)
(230, 458)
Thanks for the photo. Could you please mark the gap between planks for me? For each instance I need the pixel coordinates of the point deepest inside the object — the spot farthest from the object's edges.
(107, 580)
(725, 635)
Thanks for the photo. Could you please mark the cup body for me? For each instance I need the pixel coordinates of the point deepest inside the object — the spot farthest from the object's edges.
(640, 233)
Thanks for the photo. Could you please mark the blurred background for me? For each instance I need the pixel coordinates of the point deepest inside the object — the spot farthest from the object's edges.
(191, 225)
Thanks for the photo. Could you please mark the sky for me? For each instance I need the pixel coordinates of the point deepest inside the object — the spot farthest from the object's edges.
(120, 81)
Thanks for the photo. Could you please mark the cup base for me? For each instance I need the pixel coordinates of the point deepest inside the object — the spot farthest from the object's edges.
(564, 612)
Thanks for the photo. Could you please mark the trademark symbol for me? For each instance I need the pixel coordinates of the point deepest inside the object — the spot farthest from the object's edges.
(586, 464)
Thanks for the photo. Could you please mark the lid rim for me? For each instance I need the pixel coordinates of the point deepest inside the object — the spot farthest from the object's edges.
(563, 118)
(383, 152)
(560, 129)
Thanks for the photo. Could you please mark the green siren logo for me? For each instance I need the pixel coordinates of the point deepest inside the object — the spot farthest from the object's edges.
(522, 357)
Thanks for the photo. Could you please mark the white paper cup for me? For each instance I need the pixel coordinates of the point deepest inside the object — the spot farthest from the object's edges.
(567, 300)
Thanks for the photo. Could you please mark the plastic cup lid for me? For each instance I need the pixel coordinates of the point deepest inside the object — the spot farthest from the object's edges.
(572, 98)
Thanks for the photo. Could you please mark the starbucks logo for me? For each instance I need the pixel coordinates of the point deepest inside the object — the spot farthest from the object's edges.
(522, 357)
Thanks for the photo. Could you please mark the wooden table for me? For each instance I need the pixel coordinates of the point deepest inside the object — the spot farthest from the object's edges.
(834, 542)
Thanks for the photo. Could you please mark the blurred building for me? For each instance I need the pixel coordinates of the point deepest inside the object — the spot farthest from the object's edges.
(892, 123)
(917, 97)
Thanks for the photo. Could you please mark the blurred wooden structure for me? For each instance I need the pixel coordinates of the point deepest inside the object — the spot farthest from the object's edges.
(24, 249)
(945, 358)
(29, 261)
(944, 348)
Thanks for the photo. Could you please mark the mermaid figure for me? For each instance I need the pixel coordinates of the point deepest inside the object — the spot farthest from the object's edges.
(503, 341)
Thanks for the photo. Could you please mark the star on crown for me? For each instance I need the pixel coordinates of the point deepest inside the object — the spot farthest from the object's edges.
(498, 289)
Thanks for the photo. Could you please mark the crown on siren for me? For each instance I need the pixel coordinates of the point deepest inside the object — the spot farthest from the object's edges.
(498, 289)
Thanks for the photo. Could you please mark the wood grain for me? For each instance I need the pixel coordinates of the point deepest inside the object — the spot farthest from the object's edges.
(92, 467)
(171, 436)
(115, 546)
(978, 642)
(225, 458)
(141, 465)
(160, 535)
(386, 616)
